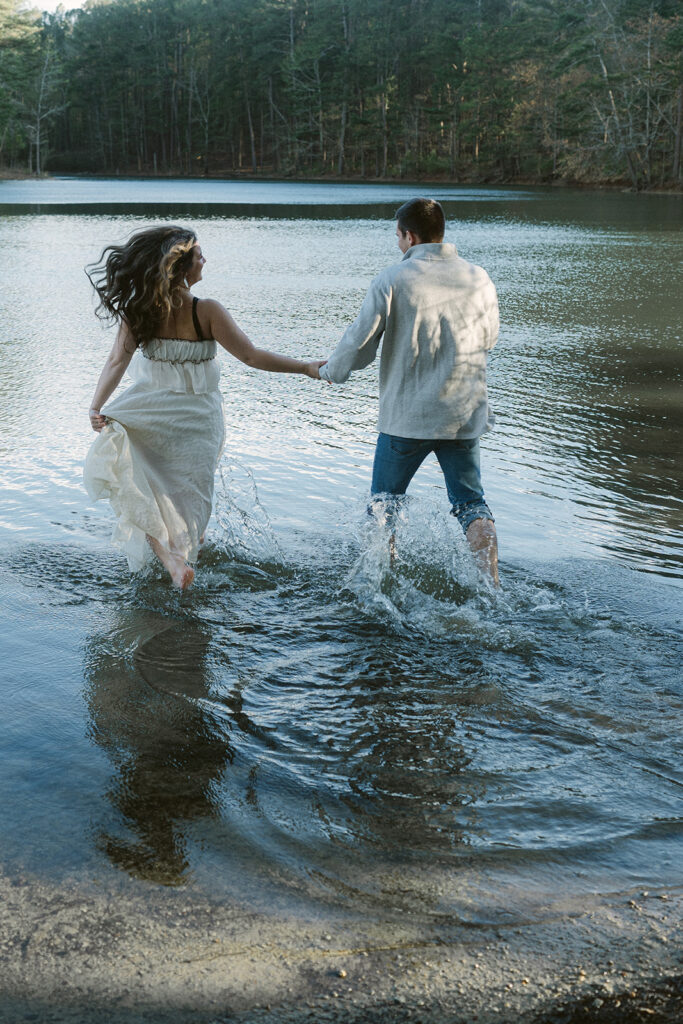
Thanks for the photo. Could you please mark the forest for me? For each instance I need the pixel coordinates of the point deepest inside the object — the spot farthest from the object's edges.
(581, 91)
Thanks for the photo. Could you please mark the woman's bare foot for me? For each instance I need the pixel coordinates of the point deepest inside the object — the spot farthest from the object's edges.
(180, 572)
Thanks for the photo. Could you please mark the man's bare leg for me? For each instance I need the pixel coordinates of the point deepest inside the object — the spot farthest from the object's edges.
(481, 537)
(180, 572)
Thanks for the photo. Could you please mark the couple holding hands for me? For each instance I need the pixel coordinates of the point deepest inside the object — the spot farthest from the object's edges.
(159, 441)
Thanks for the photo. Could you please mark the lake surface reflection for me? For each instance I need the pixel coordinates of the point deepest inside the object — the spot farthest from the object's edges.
(308, 724)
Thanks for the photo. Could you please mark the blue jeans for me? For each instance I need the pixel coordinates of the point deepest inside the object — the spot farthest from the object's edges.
(397, 459)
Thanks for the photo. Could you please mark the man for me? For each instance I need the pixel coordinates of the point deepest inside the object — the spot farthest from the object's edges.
(439, 318)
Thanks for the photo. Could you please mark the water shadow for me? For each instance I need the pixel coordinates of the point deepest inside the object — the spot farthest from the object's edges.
(146, 684)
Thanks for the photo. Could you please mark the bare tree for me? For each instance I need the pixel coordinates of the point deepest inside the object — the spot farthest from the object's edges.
(43, 105)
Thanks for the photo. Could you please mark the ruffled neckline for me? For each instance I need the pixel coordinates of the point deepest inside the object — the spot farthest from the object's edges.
(179, 350)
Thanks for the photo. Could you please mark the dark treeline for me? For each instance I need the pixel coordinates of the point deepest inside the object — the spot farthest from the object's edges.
(465, 90)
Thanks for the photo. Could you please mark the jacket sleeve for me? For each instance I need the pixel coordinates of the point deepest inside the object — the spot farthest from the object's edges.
(492, 317)
(359, 343)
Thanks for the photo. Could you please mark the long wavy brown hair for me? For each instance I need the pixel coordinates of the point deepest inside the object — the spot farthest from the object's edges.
(139, 282)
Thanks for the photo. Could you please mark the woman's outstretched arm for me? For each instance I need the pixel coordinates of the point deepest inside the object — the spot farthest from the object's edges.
(234, 340)
(117, 362)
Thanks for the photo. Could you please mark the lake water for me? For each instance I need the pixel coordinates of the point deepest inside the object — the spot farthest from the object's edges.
(309, 726)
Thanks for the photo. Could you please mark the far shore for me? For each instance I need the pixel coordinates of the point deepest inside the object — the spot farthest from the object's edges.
(15, 174)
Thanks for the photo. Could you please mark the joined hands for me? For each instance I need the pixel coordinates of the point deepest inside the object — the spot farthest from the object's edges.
(312, 369)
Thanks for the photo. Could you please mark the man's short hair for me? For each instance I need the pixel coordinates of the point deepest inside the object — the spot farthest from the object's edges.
(422, 217)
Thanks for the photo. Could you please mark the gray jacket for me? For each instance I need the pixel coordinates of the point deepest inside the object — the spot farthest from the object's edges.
(439, 317)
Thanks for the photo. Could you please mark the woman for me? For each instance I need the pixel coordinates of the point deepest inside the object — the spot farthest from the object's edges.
(159, 442)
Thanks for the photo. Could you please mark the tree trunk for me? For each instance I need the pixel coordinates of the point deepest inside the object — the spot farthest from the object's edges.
(675, 170)
(188, 132)
(275, 140)
(454, 143)
(385, 136)
(250, 123)
(342, 135)
(345, 105)
(319, 90)
(262, 142)
(294, 139)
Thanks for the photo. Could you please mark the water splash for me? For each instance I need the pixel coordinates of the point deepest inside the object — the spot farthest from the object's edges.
(415, 566)
(246, 533)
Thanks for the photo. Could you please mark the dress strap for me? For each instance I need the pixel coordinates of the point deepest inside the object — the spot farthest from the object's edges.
(195, 319)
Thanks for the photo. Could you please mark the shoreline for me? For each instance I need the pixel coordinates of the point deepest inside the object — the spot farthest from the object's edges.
(232, 176)
(79, 954)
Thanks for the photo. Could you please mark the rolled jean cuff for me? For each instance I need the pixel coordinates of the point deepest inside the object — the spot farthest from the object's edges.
(467, 511)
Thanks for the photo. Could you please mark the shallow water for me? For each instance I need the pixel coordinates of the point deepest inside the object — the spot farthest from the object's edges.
(310, 726)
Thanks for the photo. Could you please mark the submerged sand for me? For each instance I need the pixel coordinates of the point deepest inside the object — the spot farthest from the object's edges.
(75, 953)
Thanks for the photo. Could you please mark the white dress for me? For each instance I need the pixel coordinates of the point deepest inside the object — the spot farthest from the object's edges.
(155, 460)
